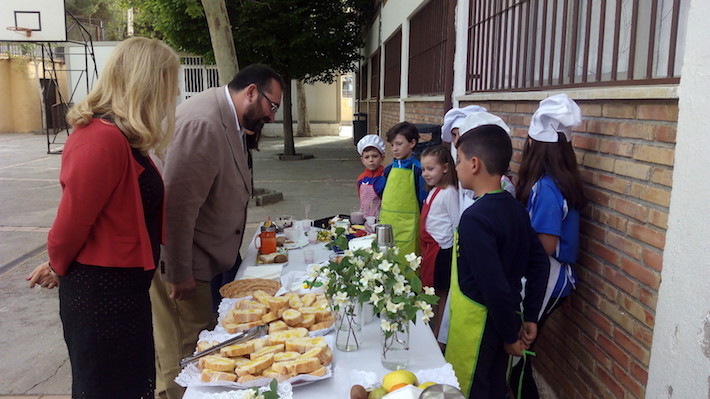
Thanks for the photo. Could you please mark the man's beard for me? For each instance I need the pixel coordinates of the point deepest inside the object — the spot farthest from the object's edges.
(251, 121)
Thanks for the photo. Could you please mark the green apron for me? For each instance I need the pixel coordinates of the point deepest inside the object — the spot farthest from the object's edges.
(400, 208)
(466, 325)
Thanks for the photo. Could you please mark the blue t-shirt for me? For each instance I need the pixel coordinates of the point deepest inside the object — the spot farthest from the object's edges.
(549, 214)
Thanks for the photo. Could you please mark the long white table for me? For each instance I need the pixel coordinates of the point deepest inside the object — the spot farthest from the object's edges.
(424, 350)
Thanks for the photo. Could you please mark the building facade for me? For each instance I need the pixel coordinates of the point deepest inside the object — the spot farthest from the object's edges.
(622, 61)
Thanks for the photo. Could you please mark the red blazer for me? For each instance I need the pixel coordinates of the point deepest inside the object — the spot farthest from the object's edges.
(100, 218)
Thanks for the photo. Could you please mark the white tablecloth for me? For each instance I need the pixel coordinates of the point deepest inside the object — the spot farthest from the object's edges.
(425, 353)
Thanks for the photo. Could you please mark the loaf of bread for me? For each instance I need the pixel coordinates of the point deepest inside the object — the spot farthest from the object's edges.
(277, 302)
(233, 328)
(275, 326)
(208, 375)
(292, 317)
(306, 365)
(286, 356)
(218, 363)
(238, 349)
(320, 372)
(285, 353)
(204, 345)
(247, 315)
(267, 350)
(308, 321)
(256, 366)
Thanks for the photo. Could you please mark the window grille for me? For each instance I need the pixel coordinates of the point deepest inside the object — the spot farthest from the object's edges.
(540, 44)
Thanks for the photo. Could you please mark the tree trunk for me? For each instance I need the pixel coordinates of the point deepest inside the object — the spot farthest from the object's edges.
(304, 124)
(289, 146)
(222, 40)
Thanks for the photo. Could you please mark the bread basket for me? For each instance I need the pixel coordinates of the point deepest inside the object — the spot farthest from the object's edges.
(245, 287)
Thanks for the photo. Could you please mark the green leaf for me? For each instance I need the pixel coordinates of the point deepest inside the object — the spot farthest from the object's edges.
(274, 385)
(416, 284)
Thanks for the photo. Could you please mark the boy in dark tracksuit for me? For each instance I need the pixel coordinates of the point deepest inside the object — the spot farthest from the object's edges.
(497, 247)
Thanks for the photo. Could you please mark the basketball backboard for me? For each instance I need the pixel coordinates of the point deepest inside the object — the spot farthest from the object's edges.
(32, 21)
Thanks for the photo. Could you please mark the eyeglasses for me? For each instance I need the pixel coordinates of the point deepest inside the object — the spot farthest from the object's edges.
(274, 106)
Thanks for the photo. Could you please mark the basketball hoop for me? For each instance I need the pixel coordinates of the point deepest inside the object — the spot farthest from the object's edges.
(19, 29)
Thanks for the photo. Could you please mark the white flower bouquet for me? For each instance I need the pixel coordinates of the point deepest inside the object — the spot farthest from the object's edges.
(379, 276)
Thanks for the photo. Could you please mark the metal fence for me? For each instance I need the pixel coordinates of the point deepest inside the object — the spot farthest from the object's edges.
(427, 48)
(196, 76)
(536, 44)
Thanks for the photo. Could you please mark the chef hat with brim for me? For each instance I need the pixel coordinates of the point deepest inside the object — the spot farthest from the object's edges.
(454, 118)
(477, 119)
(557, 113)
(371, 140)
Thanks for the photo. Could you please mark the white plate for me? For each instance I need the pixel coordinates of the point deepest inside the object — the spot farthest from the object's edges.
(190, 375)
(295, 245)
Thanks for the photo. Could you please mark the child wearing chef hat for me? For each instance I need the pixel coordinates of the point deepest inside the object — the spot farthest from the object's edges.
(372, 155)
(463, 121)
(459, 121)
(551, 189)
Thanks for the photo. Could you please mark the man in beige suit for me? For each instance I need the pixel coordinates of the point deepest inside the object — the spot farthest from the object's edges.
(207, 186)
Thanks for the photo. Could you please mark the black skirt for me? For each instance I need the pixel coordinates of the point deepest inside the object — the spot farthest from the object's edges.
(106, 316)
(442, 269)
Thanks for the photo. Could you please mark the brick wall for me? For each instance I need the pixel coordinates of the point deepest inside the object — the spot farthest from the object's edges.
(390, 116)
(372, 117)
(600, 345)
(424, 111)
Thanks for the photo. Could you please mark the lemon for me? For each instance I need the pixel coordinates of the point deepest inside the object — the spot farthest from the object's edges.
(398, 377)
(426, 385)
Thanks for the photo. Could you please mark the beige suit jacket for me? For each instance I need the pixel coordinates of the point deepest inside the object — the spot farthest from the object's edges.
(207, 186)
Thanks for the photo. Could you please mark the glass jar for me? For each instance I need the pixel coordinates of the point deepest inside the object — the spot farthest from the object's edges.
(348, 324)
(395, 344)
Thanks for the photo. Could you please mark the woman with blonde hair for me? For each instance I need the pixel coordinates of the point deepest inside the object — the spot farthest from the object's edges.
(104, 244)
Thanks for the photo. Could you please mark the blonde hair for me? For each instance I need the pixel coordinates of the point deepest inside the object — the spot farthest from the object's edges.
(138, 90)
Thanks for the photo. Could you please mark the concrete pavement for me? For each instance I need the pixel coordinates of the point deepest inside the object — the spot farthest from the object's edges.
(34, 359)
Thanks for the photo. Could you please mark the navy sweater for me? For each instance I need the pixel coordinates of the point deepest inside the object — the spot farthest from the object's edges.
(497, 247)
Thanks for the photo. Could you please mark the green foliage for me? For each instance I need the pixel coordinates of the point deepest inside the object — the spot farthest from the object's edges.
(379, 276)
(107, 13)
(313, 40)
(339, 240)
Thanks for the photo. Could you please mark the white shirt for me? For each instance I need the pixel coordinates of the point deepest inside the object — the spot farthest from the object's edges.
(443, 216)
(240, 131)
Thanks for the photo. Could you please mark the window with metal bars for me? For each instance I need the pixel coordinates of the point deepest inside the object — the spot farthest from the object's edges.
(541, 44)
(427, 48)
(375, 75)
(361, 83)
(393, 64)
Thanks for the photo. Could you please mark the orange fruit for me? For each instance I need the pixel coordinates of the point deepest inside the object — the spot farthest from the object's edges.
(396, 387)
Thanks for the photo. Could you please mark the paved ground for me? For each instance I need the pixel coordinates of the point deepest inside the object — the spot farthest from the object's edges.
(34, 356)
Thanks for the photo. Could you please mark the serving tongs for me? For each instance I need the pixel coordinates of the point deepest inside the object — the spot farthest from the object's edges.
(253, 332)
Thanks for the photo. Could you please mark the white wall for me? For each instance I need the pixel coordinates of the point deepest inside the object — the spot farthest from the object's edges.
(393, 14)
(74, 56)
(680, 355)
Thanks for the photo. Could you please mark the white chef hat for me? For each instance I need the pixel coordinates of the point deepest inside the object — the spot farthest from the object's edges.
(371, 140)
(477, 119)
(557, 113)
(454, 118)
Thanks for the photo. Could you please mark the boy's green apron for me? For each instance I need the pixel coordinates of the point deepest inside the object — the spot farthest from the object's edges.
(400, 208)
(466, 325)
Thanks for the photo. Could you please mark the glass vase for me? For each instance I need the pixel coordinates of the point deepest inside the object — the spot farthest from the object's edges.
(395, 347)
(348, 324)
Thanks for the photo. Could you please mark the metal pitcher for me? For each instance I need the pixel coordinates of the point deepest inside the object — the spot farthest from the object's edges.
(385, 235)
